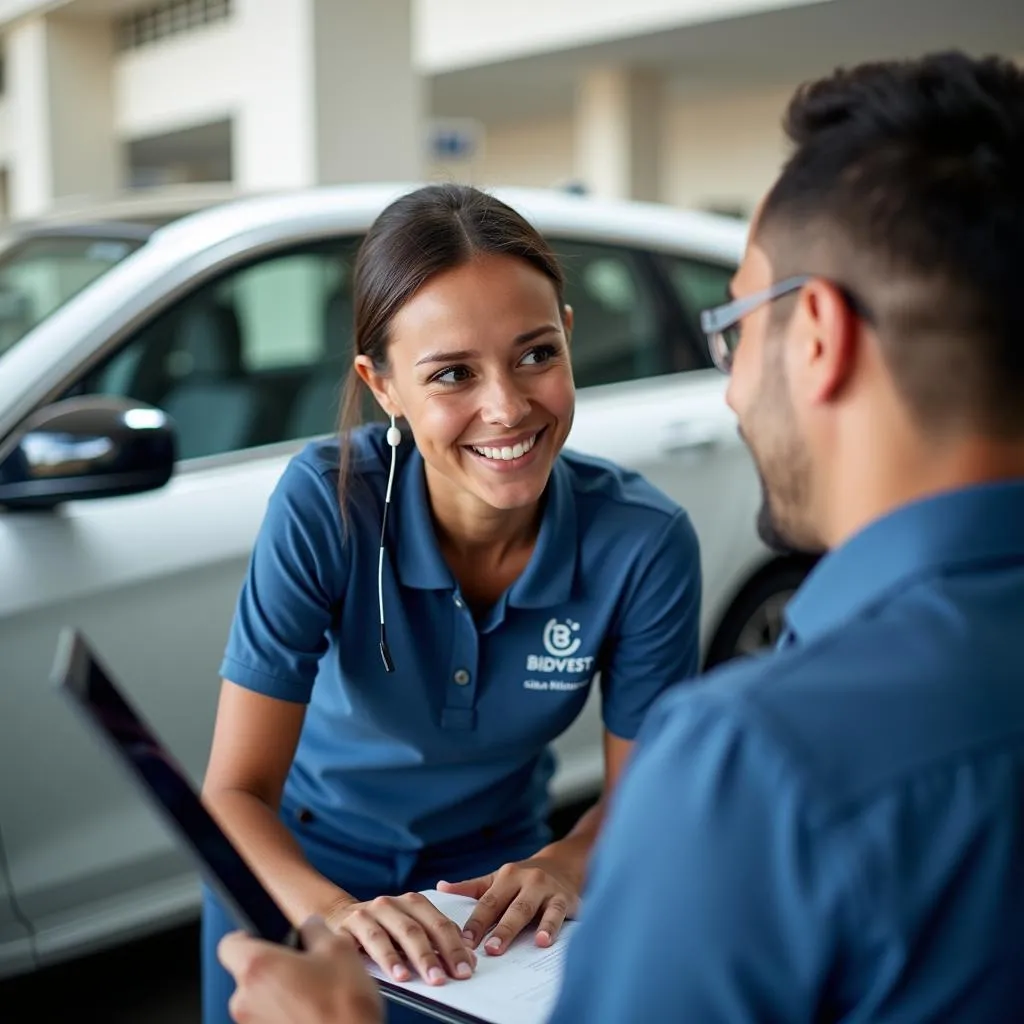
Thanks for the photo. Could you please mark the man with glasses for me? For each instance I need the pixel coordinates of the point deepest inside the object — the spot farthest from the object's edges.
(835, 831)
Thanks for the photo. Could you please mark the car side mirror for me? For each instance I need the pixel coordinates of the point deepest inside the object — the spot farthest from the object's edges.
(82, 448)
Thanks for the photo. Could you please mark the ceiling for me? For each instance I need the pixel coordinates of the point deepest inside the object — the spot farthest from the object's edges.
(776, 48)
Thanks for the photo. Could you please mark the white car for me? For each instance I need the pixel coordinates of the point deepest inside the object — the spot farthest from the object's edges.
(234, 320)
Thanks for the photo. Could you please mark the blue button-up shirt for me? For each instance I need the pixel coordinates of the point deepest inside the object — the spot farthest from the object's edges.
(457, 738)
(834, 831)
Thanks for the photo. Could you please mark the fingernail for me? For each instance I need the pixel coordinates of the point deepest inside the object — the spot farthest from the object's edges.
(492, 945)
(463, 970)
(543, 937)
(435, 974)
(468, 936)
(399, 973)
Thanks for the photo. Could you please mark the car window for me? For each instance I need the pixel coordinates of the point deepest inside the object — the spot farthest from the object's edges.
(254, 357)
(40, 274)
(616, 332)
(699, 284)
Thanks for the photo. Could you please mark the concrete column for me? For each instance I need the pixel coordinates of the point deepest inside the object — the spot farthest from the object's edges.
(330, 95)
(369, 97)
(617, 133)
(61, 112)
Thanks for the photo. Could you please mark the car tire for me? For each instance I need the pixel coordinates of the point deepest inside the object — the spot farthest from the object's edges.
(754, 620)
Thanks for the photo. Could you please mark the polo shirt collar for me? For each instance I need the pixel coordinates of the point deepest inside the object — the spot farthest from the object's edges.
(420, 563)
(979, 524)
(548, 577)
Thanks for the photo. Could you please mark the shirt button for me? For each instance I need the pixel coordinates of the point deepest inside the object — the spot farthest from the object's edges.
(458, 602)
(461, 677)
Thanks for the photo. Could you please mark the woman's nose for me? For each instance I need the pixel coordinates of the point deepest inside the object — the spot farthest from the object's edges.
(505, 404)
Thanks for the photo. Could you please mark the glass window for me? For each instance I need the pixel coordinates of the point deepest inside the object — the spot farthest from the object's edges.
(616, 331)
(39, 274)
(254, 357)
(699, 285)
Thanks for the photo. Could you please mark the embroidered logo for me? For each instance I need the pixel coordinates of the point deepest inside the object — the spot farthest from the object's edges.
(559, 641)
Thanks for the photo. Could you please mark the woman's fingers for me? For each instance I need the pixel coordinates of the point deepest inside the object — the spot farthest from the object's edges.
(443, 934)
(399, 931)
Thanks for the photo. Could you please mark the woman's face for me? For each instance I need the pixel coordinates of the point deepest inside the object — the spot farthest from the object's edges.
(479, 367)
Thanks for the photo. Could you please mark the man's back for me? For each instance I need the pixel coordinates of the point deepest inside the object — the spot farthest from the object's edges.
(836, 827)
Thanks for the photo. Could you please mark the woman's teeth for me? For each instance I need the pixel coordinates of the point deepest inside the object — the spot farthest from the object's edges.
(507, 454)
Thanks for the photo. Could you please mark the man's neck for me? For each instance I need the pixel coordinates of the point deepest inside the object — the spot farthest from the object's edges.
(875, 488)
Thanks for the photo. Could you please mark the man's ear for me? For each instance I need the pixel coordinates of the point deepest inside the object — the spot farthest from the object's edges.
(568, 318)
(829, 329)
(378, 383)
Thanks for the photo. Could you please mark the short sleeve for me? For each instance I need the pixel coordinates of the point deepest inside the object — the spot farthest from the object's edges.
(291, 591)
(657, 642)
(703, 902)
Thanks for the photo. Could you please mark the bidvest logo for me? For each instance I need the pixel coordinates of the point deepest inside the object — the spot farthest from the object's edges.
(561, 641)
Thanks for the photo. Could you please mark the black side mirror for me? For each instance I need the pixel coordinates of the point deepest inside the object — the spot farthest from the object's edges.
(81, 448)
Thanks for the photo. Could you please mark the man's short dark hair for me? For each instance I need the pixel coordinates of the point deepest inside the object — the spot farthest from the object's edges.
(906, 186)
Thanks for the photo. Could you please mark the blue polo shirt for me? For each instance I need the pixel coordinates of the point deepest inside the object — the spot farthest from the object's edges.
(834, 832)
(457, 738)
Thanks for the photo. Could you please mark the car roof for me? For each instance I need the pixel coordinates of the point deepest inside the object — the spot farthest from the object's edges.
(195, 218)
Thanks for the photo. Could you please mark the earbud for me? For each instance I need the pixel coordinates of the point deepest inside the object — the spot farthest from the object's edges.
(394, 435)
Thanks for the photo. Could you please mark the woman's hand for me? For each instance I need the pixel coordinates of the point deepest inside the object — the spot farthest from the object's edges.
(513, 896)
(396, 929)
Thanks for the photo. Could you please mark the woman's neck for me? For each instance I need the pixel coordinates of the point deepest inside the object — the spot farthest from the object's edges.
(486, 548)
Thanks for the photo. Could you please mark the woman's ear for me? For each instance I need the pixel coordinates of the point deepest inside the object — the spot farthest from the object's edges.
(567, 321)
(378, 383)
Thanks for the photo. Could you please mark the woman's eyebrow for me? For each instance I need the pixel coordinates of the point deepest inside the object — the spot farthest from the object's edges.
(468, 353)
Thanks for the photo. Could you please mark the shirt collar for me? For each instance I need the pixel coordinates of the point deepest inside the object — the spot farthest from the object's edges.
(548, 577)
(978, 524)
(420, 563)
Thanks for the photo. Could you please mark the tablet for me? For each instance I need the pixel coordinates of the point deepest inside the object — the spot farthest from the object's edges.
(79, 674)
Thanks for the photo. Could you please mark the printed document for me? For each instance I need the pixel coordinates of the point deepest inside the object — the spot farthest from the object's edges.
(518, 987)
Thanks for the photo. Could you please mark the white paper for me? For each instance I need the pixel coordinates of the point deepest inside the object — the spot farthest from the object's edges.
(518, 987)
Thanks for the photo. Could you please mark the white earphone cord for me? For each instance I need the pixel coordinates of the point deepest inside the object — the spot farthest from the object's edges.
(394, 438)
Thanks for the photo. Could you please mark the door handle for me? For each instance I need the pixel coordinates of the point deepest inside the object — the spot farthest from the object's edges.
(693, 438)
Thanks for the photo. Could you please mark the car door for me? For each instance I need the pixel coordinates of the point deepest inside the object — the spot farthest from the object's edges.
(152, 580)
(647, 400)
(15, 938)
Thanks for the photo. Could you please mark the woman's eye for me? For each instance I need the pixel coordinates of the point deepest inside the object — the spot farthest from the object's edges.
(538, 355)
(452, 375)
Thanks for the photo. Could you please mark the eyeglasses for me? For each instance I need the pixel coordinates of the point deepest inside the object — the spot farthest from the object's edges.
(722, 323)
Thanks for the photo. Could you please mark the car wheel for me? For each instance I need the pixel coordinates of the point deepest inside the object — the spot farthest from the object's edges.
(755, 620)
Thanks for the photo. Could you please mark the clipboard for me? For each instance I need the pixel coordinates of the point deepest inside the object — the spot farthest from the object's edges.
(85, 681)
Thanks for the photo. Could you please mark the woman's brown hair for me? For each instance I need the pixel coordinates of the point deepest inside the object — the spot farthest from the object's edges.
(435, 228)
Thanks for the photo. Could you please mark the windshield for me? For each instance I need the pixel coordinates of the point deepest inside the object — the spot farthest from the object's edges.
(40, 273)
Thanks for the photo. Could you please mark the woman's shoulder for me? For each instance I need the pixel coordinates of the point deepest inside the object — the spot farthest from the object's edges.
(313, 473)
(604, 483)
(619, 509)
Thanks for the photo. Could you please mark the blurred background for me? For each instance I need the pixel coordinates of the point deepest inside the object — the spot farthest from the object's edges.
(676, 101)
(644, 132)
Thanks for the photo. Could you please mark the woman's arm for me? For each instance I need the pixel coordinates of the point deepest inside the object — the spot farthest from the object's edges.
(254, 742)
(548, 883)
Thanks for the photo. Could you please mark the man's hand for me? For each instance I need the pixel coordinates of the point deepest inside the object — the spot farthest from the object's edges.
(324, 984)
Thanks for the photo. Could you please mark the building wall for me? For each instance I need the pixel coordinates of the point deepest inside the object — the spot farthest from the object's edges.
(718, 152)
(536, 153)
(722, 151)
(453, 34)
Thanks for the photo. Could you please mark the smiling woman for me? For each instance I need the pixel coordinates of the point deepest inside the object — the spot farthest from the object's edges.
(513, 574)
